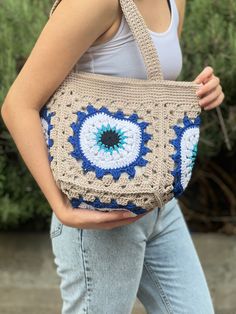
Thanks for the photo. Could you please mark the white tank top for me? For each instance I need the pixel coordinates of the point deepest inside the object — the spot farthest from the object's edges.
(121, 56)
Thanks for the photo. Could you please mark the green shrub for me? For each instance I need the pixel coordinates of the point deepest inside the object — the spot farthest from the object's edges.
(209, 38)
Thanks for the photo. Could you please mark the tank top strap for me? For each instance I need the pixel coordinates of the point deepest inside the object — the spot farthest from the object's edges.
(175, 12)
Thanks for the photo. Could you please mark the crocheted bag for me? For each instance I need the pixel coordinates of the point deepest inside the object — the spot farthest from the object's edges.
(119, 142)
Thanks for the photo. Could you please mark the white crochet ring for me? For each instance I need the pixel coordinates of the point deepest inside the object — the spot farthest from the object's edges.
(109, 143)
(45, 118)
(186, 145)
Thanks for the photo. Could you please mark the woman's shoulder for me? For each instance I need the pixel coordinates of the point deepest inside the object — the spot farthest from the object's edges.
(108, 8)
(101, 14)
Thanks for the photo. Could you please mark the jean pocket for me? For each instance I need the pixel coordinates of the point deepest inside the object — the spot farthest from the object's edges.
(56, 226)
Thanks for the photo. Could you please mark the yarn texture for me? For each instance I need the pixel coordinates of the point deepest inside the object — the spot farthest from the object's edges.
(120, 142)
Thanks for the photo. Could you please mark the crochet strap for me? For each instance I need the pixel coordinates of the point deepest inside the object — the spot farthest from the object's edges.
(142, 36)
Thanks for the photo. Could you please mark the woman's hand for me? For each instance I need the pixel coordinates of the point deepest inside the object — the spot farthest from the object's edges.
(210, 92)
(93, 219)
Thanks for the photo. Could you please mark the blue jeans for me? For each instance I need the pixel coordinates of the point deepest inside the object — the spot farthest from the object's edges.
(102, 271)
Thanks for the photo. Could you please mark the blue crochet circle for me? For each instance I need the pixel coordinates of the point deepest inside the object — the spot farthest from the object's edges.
(45, 117)
(109, 143)
(186, 147)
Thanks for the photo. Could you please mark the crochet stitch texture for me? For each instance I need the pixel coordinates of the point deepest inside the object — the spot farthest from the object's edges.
(119, 142)
(109, 143)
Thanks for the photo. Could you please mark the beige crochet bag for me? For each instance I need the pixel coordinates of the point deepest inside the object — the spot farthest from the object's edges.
(119, 142)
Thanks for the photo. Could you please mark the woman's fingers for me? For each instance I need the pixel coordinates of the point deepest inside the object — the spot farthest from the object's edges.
(88, 216)
(113, 215)
(119, 223)
(211, 96)
(209, 86)
(210, 92)
(216, 102)
(91, 219)
(204, 75)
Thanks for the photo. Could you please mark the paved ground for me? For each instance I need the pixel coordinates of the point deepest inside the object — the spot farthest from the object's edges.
(29, 283)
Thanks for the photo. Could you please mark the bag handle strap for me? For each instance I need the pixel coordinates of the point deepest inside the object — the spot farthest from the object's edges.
(142, 36)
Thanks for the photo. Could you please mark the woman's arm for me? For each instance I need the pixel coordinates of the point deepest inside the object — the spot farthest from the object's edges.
(72, 28)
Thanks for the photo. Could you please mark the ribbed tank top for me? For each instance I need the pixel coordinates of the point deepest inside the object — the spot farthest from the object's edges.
(121, 56)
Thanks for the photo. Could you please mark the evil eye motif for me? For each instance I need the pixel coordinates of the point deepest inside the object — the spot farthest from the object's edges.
(45, 117)
(80, 202)
(109, 143)
(186, 145)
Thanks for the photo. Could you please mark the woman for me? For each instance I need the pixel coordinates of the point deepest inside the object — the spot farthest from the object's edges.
(106, 259)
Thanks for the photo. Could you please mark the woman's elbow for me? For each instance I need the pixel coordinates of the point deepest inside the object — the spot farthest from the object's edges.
(12, 110)
(5, 108)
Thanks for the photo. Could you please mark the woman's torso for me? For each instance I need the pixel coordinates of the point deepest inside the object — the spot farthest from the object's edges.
(120, 56)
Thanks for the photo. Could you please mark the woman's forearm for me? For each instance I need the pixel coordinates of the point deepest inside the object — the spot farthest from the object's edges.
(25, 127)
